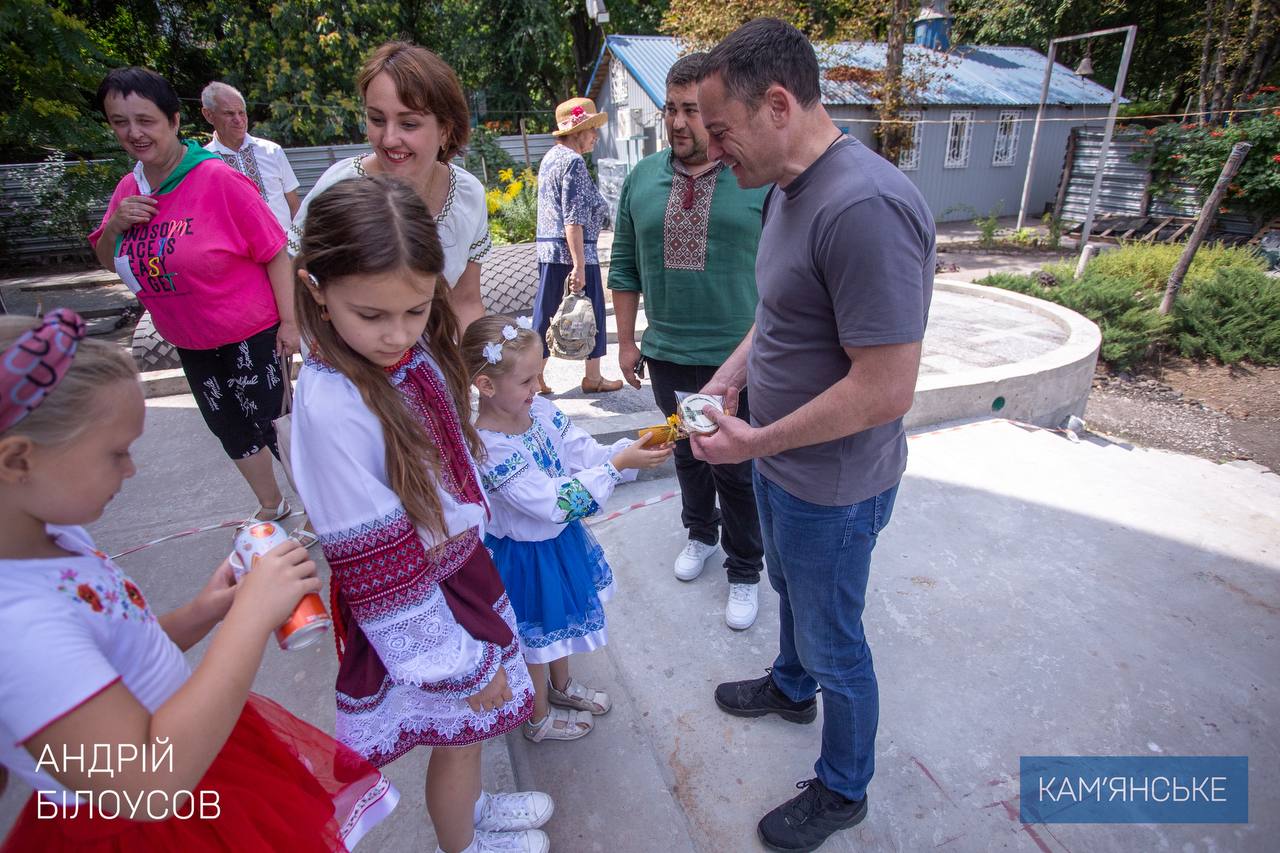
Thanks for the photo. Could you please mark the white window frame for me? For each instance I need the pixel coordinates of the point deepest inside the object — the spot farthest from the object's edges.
(959, 139)
(910, 160)
(618, 82)
(1005, 152)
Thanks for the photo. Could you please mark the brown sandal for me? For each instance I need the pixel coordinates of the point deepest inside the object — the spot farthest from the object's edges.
(600, 385)
(543, 387)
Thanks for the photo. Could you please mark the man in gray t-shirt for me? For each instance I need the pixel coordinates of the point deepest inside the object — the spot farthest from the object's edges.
(845, 275)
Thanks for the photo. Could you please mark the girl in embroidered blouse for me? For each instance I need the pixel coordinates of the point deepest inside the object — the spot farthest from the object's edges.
(427, 648)
(87, 662)
(543, 475)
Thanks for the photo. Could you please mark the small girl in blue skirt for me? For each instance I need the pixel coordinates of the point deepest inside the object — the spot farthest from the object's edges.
(542, 476)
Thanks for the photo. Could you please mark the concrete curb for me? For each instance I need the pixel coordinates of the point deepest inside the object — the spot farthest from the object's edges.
(1042, 390)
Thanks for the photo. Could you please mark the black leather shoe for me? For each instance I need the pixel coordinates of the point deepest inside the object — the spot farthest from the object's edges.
(761, 696)
(804, 822)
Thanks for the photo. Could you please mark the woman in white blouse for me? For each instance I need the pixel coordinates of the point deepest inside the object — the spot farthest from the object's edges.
(417, 122)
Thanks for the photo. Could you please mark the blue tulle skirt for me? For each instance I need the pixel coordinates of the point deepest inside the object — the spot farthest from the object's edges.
(557, 588)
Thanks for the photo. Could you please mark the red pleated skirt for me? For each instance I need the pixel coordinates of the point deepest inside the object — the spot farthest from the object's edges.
(282, 785)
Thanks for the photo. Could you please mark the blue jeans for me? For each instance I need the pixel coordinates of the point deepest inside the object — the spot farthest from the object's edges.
(822, 586)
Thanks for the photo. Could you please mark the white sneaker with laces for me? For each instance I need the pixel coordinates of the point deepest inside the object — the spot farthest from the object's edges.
(526, 841)
(513, 812)
(691, 560)
(744, 603)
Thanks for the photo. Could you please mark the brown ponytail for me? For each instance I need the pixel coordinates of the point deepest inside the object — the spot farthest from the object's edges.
(369, 227)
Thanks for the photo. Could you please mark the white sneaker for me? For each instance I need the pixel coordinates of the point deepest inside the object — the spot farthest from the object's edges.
(513, 812)
(527, 841)
(744, 603)
(691, 560)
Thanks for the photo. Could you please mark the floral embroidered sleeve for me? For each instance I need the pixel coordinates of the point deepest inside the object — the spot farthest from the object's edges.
(380, 565)
(541, 478)
(580, 450)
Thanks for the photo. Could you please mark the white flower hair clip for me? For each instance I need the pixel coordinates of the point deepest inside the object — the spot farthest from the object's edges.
(509, 333)
(525, 322)
(493, 353)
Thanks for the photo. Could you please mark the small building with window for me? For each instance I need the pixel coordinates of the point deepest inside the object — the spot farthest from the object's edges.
(971, 114)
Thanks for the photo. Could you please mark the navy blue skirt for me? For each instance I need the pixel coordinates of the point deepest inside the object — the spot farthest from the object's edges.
(550, 293)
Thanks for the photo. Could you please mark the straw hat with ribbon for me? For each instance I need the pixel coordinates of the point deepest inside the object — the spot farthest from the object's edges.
(577, 114)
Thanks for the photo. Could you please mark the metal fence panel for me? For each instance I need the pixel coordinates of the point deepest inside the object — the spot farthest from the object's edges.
(24, 243)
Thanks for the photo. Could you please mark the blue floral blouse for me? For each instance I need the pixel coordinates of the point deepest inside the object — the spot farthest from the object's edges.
(567, 196)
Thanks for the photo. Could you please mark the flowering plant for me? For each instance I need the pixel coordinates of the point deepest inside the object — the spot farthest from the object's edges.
(1196, 153)
(513, 209)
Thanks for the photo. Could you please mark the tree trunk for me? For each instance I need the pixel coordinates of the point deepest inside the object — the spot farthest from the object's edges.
(1264, 59)
(1210, 7)
(891, 134)
(586, 46)
(1220, 60)
(1235, 87)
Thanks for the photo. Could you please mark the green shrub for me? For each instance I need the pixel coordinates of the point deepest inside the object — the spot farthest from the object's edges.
(1229, 309)
(1234, 316)
(1148, 265)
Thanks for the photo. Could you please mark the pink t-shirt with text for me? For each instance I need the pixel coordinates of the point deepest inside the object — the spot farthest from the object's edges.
(199, 266)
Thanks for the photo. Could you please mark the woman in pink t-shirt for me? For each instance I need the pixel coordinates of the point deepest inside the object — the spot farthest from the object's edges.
(194, 241)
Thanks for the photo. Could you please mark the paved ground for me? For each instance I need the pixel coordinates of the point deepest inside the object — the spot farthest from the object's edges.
(1031, 595)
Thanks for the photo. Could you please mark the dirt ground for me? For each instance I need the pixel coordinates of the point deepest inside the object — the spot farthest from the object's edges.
(1217, 412)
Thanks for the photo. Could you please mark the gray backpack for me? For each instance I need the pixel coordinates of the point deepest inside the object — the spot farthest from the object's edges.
(572, 333)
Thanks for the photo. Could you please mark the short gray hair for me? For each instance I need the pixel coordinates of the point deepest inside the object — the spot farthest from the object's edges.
(210, 93)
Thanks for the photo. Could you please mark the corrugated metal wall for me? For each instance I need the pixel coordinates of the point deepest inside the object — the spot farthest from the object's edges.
(308, 164)
(1126, 180)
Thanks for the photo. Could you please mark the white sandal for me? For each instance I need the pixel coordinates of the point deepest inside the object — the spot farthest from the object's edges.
(278, 513)
(304, 537)
(576, 724)
(580, 698)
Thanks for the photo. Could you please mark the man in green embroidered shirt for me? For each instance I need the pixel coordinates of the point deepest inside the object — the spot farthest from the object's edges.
(685, 237)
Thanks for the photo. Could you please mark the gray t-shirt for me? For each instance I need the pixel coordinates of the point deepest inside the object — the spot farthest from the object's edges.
(846, 259)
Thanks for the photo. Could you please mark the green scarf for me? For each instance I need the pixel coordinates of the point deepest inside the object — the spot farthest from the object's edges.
(194, 157)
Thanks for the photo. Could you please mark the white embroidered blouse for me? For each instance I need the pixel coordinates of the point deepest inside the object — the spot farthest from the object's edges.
(463, 223)
(551, 474)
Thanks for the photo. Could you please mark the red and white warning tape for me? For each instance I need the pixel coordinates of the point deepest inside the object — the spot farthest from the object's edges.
(193, 531)
(626, 509)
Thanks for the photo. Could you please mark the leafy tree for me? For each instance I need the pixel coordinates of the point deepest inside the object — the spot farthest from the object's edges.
(296, 61)
(53, 65)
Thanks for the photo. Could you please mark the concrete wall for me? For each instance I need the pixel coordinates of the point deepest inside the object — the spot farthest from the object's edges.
(1042, 391)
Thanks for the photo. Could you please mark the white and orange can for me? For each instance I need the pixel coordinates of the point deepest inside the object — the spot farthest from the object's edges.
(309, 619)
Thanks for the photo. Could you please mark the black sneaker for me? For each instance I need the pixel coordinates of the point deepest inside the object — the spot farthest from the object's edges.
(807, 820)
(760, 696)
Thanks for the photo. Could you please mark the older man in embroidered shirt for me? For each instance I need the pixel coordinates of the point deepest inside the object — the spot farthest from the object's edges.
(260, 160)
(686, 237)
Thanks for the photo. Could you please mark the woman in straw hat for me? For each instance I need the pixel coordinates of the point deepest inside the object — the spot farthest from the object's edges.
(571, 213)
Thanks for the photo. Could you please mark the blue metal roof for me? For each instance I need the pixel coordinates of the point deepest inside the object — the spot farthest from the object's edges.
(969, 74)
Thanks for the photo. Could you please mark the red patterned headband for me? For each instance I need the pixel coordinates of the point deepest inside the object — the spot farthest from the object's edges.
(36, 363)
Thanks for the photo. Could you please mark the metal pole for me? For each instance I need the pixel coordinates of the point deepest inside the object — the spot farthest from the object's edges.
(1131, 33)
(1035, 135)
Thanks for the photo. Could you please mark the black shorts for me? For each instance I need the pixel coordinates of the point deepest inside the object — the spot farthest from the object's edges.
(240, 391)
